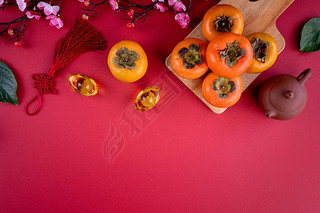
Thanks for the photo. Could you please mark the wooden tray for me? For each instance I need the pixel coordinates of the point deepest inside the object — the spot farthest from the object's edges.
(259, 16)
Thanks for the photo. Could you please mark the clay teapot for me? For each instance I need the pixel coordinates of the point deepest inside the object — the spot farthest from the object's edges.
(283, 96)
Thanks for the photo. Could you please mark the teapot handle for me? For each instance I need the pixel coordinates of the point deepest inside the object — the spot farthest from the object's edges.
(304, 76)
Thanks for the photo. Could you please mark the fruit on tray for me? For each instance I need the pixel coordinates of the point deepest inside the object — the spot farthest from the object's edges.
(188, 58)
(265, 51)
(221, 19)
(221, 92)
(229, 55)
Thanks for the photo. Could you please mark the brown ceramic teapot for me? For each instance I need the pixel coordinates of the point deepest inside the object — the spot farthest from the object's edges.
(283, 96)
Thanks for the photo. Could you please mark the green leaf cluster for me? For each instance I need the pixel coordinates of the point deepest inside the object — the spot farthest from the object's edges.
(8, 85)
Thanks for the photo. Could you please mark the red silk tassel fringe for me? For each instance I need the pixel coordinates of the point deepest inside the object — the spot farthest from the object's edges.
(82, 37)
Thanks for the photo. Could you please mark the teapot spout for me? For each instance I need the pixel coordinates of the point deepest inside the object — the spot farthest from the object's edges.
(304, 76)
(270, 114)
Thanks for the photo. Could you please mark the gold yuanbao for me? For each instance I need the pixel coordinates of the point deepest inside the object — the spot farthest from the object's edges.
(147, 98)
(84, 85)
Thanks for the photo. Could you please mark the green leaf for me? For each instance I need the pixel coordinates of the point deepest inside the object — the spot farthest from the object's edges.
(310, 36)
(8, 85)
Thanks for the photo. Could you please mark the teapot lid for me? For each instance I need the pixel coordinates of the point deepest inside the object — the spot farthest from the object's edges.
(287, 95)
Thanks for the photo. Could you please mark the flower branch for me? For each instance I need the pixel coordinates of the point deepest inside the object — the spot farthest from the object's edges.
(93, 8)
(138, 12)
(133, 15)
(17, 32)
(31, 9)
(6, 4)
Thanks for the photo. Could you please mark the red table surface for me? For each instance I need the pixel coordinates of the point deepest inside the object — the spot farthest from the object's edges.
(98, 154)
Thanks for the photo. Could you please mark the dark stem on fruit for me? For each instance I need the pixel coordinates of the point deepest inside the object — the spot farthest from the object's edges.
(223, 24)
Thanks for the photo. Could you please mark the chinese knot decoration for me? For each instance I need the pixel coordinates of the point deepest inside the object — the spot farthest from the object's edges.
(44, 83)
(86, 38)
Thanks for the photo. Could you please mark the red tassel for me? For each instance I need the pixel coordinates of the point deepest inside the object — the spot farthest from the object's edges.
(82, 38)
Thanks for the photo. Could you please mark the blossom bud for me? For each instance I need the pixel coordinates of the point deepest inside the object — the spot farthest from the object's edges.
(85, 17)
(130, 13)
(130, 25)
(17, 43)
(10, 32)
(86, 3)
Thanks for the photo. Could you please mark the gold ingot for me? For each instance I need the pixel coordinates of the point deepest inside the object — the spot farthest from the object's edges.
(84, 85)
(147, 98)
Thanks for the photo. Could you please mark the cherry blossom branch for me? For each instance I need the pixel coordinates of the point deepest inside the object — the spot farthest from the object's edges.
(189, 6)
(133, 15)
(6, 4)
(10, 31)
(93, 9)
(31, 9)
(140, 12)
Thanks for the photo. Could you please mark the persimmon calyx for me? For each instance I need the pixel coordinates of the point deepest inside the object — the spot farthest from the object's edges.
(191, 56)
(260, 49)
(224, 86)
(125, 58)
(232, 53)
(223, 24)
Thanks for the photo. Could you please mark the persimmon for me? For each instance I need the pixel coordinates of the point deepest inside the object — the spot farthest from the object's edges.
(220, 19)
(188, 58)
(229, 55)
(127, 61)
(221, 92)
(265, 52)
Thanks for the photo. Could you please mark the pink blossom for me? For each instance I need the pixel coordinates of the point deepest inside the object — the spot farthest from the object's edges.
(81, 0)
(33, 14)
(182, 19)
(161, 7)
(22, 4)
(48, 9)
(55, 21)
(171, 2)
(179, 6)
(1, 2)
(114, 4)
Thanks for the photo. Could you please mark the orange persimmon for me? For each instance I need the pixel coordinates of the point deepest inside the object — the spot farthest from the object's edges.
(265, 51)
(220, 19)
(127, 61)
(229, 55)
(188, 58)
(221, 92)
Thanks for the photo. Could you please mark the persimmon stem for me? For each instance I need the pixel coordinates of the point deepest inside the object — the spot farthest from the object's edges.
(260, 49)
(232, 53)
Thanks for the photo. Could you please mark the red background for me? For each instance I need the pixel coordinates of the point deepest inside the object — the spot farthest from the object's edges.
(79, 154)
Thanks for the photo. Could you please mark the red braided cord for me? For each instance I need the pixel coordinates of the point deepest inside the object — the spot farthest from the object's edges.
(44, 84)
(37, 97)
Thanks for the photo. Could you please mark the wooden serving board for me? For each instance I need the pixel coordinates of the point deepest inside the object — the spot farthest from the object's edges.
(258, 16)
